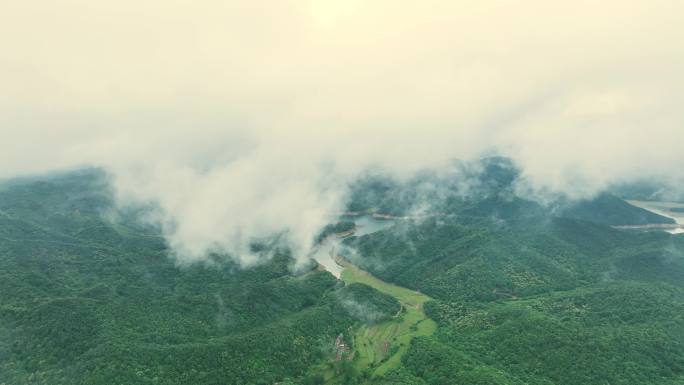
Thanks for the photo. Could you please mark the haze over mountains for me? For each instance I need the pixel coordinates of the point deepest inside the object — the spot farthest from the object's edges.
(224, 112)
(521, 292)
(341, 192)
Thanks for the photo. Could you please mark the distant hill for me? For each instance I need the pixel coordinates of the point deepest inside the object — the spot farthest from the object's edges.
(485, 188)
(650, 190)
(610, 210)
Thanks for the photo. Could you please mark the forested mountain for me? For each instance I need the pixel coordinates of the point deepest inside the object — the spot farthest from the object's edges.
(532, 294)
(84, 300)
(521, 292)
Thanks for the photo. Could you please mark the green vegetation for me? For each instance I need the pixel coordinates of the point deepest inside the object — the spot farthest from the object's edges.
(380, 346)
(87, 301)
(610, 210)
(492, 289)
(486, 260)
(344, 227)
(352, 274)
(617, 333)
(368, 304)
(534, 300)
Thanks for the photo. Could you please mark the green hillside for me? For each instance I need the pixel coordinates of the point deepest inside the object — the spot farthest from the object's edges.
(495, 289)
(87, 301)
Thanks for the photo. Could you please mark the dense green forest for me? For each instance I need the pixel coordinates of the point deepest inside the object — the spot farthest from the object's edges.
(522, 293)
(86, 300)
(531, 294)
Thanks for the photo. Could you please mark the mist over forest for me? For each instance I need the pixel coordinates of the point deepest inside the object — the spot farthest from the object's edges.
(332, 192)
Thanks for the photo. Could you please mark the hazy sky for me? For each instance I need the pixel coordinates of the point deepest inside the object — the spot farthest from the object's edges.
(245, 117)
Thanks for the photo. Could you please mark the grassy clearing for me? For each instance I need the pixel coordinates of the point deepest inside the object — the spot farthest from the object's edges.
(352, 274)
(381, 346)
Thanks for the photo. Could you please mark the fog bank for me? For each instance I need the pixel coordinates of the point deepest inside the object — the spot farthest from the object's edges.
(246, 118)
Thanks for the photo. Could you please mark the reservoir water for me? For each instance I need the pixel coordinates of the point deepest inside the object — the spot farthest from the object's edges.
(364, 225)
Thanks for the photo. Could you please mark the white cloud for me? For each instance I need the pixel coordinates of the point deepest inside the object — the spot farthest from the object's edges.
(245, 117)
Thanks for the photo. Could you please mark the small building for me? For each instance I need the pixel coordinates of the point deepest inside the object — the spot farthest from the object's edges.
(341, 348)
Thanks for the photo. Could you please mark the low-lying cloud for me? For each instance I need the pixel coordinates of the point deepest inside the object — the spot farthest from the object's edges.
(246, 118)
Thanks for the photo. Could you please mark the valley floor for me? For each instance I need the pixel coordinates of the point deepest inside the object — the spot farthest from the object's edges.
(379, 347)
